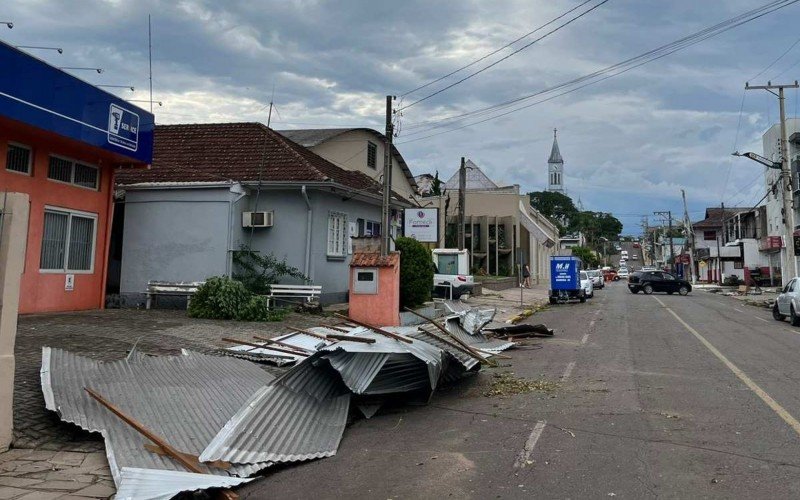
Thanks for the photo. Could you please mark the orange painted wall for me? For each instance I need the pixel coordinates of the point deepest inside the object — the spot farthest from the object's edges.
(41, 292)
(383, 308)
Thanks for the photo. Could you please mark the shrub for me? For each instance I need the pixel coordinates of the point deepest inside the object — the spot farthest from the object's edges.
(258, 271)
(416, 272)
(221, 297)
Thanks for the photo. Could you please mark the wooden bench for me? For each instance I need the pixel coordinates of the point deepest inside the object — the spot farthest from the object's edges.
(309, 293)
(175, 289)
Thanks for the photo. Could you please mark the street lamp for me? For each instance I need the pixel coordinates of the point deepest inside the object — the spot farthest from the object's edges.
(119, 87)
(146, 100)
(760, 159)
(9, 24)
(99, 70)
(57, 49)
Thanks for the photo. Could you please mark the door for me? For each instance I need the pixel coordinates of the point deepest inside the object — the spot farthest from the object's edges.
(670, 283)
(784, 299)
(656, 281)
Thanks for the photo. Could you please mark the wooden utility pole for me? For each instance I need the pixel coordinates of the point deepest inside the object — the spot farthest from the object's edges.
(786, 174)
(386, 213)
(462, 195)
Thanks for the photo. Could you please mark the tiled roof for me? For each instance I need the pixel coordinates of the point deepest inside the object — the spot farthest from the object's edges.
(310, 137)
(242, 152)
(714, 217)
(362, 259)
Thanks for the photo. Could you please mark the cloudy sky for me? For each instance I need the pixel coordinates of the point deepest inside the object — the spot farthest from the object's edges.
(630, 143)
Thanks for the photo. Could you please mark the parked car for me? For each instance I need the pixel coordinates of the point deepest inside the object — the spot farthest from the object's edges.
(451, 278)
(788, 303)
(597, 278)
(586, 285)
(610, 275)
(636, 245)
(622, 273)
(657, 281)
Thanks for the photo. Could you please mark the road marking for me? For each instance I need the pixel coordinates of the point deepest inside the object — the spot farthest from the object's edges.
(525, 455)
(568, 371)
(766, 398)
(739, 310)
(762, 319)
(585, 338)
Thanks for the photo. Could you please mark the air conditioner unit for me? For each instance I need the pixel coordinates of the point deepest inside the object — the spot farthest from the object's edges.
(258, 219)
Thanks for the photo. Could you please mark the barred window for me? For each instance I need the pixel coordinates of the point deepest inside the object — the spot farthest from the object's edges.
(67, 241)
(72, 172)
(337, 234)
(372, 155)
(18, 159)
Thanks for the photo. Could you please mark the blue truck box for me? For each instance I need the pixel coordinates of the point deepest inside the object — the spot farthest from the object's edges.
(565, 279)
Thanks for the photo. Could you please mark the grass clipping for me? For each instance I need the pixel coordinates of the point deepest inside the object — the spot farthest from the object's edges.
(506, 384)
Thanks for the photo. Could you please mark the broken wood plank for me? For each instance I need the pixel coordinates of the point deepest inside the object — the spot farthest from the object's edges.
(306, 332)
(219, 464)
(376, 329)
(351, 338)
(259, 346)
(300, 350)
(464, 345)
(343, 330)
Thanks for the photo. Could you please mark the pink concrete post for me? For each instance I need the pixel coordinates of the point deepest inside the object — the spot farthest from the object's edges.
(375, 288)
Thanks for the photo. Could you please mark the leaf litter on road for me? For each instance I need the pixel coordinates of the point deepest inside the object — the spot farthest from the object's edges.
(506, 384)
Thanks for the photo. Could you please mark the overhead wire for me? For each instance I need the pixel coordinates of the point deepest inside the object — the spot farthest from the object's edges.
(490, 54)
(495, 63)
(610, 71)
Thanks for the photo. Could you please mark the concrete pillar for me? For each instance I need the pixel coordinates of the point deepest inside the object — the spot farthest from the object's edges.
(14, 208)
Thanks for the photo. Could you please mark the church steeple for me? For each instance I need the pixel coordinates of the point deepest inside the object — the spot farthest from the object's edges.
(555, 167)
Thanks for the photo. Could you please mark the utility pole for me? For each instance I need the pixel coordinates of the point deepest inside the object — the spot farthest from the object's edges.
(386, 213)
(646, 228)
(687, 224)
(719, 236)
(462, 195)
(668, 213)
(786, 174)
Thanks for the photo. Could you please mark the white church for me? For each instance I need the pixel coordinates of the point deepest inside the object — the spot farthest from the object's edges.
(555, 168)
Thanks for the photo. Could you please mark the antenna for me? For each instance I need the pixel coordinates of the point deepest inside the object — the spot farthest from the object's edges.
(150, 59)
(271, 101)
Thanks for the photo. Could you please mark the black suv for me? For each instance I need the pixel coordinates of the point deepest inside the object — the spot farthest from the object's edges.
(657, 281)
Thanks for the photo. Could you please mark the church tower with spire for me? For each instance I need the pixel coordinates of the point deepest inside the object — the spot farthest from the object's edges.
(555, 167)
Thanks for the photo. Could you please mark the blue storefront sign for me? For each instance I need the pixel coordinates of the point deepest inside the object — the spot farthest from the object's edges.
(35, 93)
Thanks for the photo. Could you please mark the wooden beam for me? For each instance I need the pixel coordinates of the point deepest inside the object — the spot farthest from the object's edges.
(306, 332)
(259, 346)
(376, 329)
(351, 338)
(343, 330)
(300, 350)
(464, 345)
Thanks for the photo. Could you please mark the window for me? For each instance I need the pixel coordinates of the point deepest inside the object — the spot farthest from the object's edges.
(448, 264)
(18, 159)
(67, 241)
(372, 155)
(72, 172)
(337, 234)
(709, 235)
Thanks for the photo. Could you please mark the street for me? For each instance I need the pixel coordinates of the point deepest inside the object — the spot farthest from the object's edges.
(659, 396)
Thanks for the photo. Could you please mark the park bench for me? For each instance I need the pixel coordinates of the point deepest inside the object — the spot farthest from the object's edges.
(308, 293)
(170, 288)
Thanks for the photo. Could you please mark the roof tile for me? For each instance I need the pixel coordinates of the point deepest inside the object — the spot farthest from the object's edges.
(364, 259)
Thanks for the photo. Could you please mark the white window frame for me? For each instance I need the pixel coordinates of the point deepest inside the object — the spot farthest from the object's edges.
(70, 213)
(344, 233)
(29, 173)
(72, 172)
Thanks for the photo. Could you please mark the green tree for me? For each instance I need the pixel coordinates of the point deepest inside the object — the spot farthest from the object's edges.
(257, 271)
(557, 207)
(416, 272)
(587, 256)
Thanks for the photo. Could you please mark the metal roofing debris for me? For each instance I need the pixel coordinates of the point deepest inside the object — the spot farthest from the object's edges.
(139, 484)
(478, 341)
(170, 395)
(471, 318)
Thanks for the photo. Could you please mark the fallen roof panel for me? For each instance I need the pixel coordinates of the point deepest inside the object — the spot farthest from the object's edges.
(153, 484)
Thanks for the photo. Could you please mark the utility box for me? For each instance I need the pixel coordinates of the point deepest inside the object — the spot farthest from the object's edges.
(375, 288)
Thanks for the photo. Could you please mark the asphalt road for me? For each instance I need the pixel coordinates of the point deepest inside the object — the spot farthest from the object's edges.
(659, 396)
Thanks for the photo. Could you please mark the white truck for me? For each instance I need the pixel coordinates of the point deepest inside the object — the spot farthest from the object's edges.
(451, 278)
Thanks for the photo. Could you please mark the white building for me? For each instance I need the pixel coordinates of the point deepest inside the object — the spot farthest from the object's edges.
(774, 202)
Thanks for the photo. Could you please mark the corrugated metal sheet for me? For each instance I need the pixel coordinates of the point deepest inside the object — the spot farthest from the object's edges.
(280, 358)
(478, 341)
(357, 370)
(431, 335)
(471, 318)
(171, 396)
(151, 484)
(301, 416)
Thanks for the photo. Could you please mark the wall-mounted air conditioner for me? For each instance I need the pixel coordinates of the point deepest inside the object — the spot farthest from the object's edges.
(258, 219)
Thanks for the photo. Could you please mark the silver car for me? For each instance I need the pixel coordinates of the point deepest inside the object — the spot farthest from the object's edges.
(586, 284)
(788, 303)
(597, 278)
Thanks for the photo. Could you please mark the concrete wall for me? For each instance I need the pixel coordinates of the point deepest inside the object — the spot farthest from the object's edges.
(287, 238)
(349, 151)
(14, 208)
(183, 235)
(173, 235)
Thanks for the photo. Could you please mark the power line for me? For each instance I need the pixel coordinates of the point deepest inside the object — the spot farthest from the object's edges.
(776, 60)
(610, 71)
(490, 54)
(503, 58)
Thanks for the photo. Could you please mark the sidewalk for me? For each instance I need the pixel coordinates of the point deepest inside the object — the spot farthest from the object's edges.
(509, 303)
(51, 459)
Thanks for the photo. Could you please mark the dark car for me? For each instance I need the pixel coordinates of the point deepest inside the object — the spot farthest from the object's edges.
(657, 281)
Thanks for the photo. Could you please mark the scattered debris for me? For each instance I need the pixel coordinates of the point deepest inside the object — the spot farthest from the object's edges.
(506, 384)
